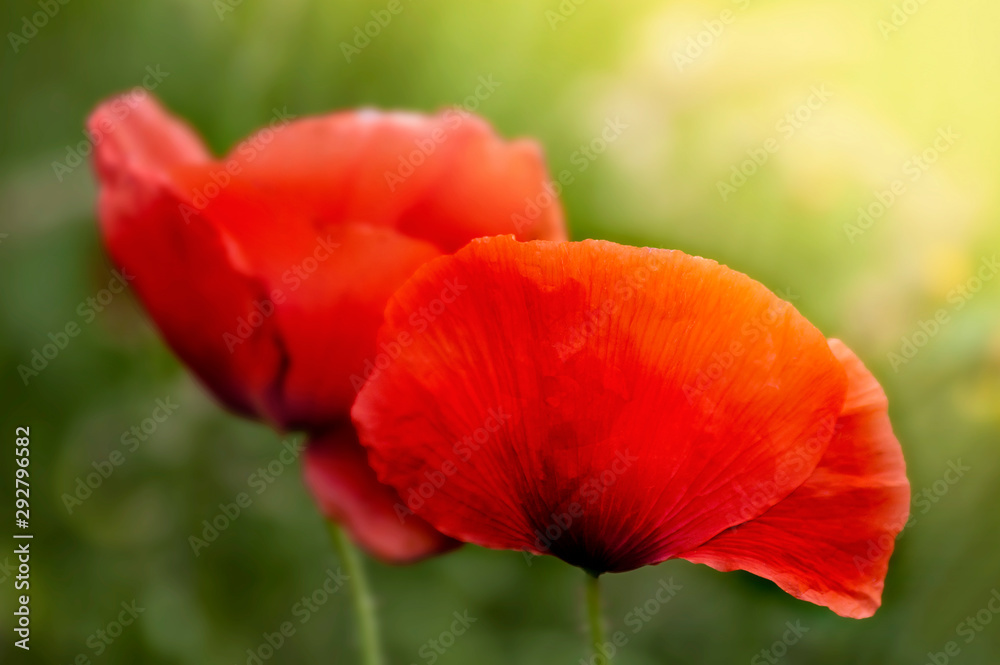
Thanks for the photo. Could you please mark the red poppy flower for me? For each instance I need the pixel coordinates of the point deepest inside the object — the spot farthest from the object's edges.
(267, 271)
(617, 407)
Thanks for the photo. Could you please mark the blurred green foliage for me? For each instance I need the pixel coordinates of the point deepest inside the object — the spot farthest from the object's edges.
(696, 97)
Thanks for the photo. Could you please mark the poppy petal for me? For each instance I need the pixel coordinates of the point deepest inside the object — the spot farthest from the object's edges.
(345, 487)
(493, 188)
(444, 179)
(829, 542)
(386, 191)
(601, 403)
(330, 319)
(295, 240)
(182, 271)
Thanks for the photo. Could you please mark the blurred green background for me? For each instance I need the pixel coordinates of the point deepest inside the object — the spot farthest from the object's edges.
(846, 100)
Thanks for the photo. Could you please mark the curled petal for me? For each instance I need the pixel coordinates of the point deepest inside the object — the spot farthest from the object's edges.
(182, 270)
(829, 542)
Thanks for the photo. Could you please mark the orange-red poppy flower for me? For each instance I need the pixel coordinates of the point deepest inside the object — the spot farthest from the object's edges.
(267, 270)
(617, 407)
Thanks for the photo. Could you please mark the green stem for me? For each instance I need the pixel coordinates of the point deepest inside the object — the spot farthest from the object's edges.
(594, 619)
(364, 602)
